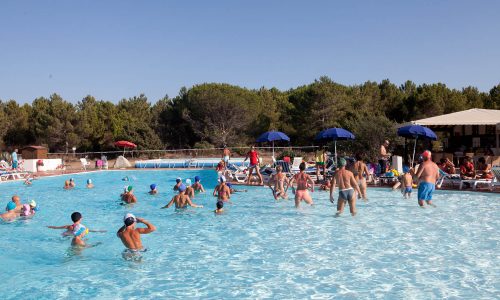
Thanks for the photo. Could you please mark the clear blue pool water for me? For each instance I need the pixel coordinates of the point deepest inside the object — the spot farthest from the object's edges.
(259, 249)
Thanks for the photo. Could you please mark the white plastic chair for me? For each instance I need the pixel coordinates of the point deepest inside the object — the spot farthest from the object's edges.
(84, 163)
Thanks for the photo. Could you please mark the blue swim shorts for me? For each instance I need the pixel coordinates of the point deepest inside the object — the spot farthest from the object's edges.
(425, 190)
(408, 190)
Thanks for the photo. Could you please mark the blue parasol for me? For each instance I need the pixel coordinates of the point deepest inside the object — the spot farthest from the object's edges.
(335, 134)
(272, 136)
(416, 132)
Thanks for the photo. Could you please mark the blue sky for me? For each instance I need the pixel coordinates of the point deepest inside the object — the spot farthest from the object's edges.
(118, 49)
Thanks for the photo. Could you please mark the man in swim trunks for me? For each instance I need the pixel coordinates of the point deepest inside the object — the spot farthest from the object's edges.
(226, 154)
(303, 182)
(197, 186)
(181, 200)
(11, 213)
(348, 186)
(407, 186)
(77, 230)
(253, 155)
(131, 236)
(427, 174)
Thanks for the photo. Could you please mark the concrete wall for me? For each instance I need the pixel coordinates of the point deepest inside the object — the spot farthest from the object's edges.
(48, 164)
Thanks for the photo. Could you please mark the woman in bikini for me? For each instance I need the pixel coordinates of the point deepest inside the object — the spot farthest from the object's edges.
(302, 184)
(360, 171)
(222, 191)
(279, 180)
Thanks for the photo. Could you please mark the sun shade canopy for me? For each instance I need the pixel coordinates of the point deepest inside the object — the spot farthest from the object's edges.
(474, 116)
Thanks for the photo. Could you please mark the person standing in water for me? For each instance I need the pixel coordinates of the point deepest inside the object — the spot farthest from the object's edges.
(77, 230)
(130, 235)
(181, 200)
(427, 174)
(253, 155)
(279, 179)
(222, 191)
(197, 186)
(303, 182)
(360, 171)
(348, 185)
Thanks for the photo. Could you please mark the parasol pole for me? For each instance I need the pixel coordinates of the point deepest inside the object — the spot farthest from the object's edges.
(336, 153)
(273, 151)
(414, 147)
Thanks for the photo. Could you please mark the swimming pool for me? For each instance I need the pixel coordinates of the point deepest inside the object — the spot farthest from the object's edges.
(259, 249)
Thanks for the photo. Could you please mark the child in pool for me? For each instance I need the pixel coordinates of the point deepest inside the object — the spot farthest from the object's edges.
(89, 183)
(153, 190)
(220, 207)
(76, 229)
(406, 187)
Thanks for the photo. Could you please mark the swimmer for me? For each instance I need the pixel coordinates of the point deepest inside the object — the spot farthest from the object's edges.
(17, 202)
(77, 230)
(222, 191)
(33, 206)
(125, 178)
(131, 236)
(89, 183)
(279, 179)
(153, 189)
(26, 211)
(72, 182)
(178, 182)
(197, 186)
(181, 200)
(28, 181)
(189, 189)
(348, 187)
(302, 184)
(11, 213)
(427, 174)
(407, 186)
(220, 207)
(67, 185)
(128, 195)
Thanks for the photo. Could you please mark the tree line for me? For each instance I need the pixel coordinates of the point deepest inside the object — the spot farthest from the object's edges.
(216, 114)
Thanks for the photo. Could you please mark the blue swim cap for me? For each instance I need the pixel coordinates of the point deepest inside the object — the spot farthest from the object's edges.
(197, 178)
(89, 181)
(178, 179)
(10, 206)
(153, 186)
(182, 188)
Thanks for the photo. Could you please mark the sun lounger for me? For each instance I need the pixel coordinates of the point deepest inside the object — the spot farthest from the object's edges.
(476, 182)
(296, 164)
(84, 163)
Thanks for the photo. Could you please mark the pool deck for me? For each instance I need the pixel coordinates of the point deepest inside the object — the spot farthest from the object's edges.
(75, 168)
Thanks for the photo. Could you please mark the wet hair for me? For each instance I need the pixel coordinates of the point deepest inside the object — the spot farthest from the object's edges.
(76, 216)
(302, 166)
(220, 204)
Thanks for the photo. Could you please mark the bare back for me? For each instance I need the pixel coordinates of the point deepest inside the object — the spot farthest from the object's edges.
(302, 179)
(344, 179)
(131, 238)
(428, 171)
(361, 169)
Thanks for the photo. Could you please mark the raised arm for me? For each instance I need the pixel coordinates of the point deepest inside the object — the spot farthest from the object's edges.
(150, 227)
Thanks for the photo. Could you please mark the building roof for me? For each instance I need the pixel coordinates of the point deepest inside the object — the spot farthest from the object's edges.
(474, 116)
(34, 147)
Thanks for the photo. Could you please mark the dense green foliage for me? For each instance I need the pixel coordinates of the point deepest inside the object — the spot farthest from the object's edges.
(218, 114)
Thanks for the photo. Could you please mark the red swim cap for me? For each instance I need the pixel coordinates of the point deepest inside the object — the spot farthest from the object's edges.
(426, 154)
